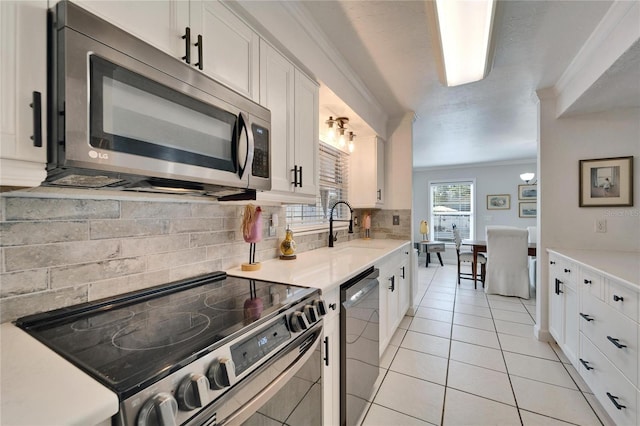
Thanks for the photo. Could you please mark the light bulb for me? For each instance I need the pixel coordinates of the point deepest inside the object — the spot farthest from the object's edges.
(341, 140)
(331, 133)
(351, 146)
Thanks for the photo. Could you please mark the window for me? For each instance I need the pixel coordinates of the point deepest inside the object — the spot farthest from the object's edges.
(451, 203)
(333, 165)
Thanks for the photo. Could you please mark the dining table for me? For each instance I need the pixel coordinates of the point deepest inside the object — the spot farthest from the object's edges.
(480, 246)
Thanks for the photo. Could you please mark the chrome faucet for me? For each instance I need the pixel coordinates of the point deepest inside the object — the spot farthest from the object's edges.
(332, 237)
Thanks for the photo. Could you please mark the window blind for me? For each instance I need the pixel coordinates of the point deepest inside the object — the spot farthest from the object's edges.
(451, 203)
(333, 183)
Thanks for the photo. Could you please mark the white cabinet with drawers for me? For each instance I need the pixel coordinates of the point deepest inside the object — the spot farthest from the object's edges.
(607, 286)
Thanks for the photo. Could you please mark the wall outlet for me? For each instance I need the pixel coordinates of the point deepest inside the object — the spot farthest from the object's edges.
(396, 219)
(601, 225)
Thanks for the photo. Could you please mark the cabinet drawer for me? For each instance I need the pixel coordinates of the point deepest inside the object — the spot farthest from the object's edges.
(622, 299)
(592, 283)
(606, 328)
(604, 379)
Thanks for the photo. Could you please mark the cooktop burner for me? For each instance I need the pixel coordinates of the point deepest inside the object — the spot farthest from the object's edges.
(138, 338)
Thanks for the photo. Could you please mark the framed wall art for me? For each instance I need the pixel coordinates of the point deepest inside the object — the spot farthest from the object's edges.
(499, 202)
(606, 182)
(527, 209)
(527, 192)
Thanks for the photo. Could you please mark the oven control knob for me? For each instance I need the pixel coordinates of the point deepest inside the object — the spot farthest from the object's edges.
(311, 313)
(298, 322)
(160, 410)
(219, 373)
(320, 306)
(193, 392)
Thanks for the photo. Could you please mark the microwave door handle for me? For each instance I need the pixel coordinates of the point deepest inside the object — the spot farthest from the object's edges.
(245, 153)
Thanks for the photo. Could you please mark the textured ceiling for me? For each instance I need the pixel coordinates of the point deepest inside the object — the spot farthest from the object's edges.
(389, 45)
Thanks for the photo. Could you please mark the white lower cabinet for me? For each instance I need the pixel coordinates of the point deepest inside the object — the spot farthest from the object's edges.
(395, 293)
(601, 338)
(331, 370)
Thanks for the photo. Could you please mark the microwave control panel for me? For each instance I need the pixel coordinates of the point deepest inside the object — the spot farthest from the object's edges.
(260, 167)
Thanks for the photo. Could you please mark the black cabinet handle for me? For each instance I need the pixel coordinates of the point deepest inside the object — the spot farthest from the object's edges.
(586, 364)
(616, 342)
(333, 306)
(200, 63)
(567, 270)
(36, 104)
(586, 317)
(300, 180)
(379, 194)
(403, 273)
(552, 262)
(392, 287)
(615, 402)
(187, 45)
(295, 177)
(326, 351)
(617, 298)
(558, 282)
(586, 281)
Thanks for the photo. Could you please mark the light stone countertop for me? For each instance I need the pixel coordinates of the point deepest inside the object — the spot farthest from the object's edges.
(622, 266)
(324, 268)
(39, 387)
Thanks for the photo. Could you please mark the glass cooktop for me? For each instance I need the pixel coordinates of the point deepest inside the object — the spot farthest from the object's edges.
(140, 337)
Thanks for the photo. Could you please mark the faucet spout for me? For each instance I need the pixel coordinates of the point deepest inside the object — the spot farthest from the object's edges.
(331, 220)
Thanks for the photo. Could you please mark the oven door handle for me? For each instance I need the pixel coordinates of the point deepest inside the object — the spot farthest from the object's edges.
(247, 409)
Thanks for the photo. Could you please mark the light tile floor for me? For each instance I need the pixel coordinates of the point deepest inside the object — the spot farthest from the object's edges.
(468, 358)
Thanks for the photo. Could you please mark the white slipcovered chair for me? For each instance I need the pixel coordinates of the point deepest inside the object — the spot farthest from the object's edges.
(507, 253)
(467, 256)
(533, 238)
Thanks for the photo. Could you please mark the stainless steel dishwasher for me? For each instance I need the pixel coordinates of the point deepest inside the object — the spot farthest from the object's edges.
(359, 339)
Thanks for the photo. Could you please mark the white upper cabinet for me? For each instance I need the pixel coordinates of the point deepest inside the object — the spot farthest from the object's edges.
(277, 88)
(159, 23)
(292, 99)
(366, 180)
(228, 49)
(23, 91)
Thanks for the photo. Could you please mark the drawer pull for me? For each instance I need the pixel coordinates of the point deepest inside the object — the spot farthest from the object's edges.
(586, 364)
(586, 317)
(332, 306)
(617, 298)
(615, 402)
(392, 287)
(567, 270)
(586, 281)
(557, 289)
(616, 342)
(552, 262)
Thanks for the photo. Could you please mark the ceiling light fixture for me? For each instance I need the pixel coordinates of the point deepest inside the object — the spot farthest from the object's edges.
(527, 176)
(464, 32)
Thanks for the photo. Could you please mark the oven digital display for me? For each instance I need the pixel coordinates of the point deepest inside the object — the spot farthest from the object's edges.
(257, 346)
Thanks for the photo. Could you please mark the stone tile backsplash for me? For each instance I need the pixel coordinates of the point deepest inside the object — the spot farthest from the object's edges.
(58, 252)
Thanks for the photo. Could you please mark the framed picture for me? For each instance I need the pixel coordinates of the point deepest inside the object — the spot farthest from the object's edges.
(606, 182)
(527, 209)
(527, 192)
(499, 202)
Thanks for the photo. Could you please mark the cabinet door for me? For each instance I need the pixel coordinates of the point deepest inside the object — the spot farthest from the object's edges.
(277, 94)
(404, 277)
(571, 331)
(331, 371)
(380, 190)
(160, 23)
(555, 302)
(230, 48)
(306, 133)
(23, 53)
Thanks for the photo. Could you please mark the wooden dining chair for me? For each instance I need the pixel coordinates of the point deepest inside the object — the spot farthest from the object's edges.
(467, 256)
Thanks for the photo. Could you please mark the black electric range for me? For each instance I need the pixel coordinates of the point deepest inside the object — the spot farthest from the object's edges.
(144, 342)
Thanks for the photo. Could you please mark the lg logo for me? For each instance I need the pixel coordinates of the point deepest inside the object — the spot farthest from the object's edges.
(101, 156)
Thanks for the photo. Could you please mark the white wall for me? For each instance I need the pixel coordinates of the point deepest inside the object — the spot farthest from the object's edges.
(562, 223)
(398, 163)
(489, 179)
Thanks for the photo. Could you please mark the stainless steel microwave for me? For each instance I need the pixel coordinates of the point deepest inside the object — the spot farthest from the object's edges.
(126, 115)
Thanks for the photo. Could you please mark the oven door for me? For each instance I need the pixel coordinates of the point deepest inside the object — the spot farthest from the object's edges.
(285, 390)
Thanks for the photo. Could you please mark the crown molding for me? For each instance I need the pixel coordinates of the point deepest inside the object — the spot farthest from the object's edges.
(477, 165)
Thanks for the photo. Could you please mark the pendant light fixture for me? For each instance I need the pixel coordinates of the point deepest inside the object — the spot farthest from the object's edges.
(336, 133)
